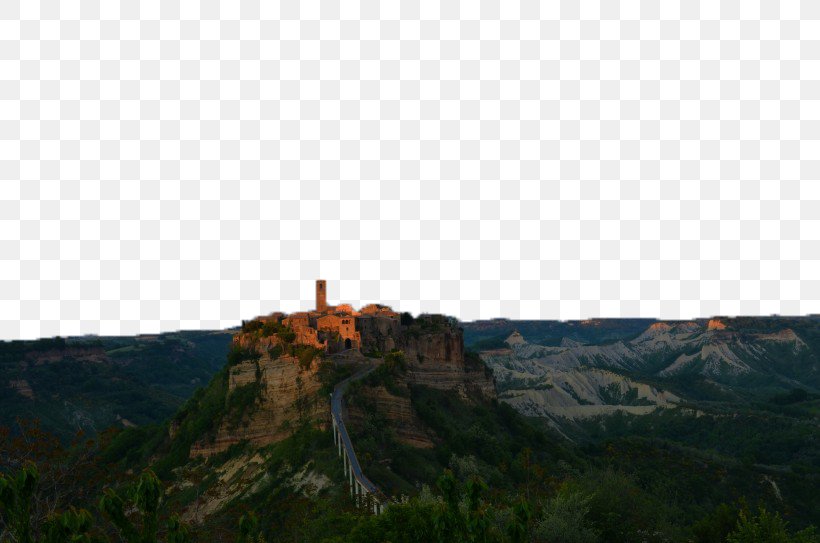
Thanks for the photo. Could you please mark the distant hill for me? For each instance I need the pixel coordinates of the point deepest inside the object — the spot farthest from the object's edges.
(747, 354)
(743, 389)
(484, 334)
(91, 383)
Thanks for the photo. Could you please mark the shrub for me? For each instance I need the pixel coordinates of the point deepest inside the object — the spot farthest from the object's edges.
(241, 399)
(394, 360)
(766, 527)
(716, 526)
(286, 335)
(275, 351)
(239, 354)
(272, 327)
(251, 326)
(565, 519)
(330, 374)
(145, 497)
(305, 354)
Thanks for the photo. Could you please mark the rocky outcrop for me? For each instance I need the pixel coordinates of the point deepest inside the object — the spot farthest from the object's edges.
(567, 391)
(268, 395)
(398, 410)
(437, 359)
(22, 387)
(575, 380)
(81, 353)
(283, 393)
(433, 355)
(232, 479)
(378, 333)
(433, 348)
(786, 336)
(716, 324)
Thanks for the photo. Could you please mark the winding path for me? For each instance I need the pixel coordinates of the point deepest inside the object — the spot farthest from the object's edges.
(362, 489)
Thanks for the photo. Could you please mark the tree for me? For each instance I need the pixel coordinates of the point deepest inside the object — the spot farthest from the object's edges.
(518, 526)
(66, 474)
(768, 528)
(406, 319)
(565, 519)
(16, 494)
(249, 531)
(72, 526)
(716, 526)
(16, 498)
(145, 495)
(469, 521)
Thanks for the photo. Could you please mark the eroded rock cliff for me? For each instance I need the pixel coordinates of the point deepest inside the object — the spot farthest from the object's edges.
(266, 399)
(273, 382)
(396, 410)
(437, 359)
(427, 352)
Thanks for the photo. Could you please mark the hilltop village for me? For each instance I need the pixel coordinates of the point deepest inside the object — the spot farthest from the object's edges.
(278, 361)
(337, 328)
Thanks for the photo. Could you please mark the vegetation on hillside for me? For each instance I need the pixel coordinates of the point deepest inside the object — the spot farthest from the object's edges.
(91, 384)
(721, 470)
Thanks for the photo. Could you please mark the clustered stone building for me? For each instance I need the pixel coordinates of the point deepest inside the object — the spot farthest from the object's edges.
(337, 328)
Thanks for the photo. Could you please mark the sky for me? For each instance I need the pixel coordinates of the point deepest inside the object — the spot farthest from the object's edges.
(169, 165)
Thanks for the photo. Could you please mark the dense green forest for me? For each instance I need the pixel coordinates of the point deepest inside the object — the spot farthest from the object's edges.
(622, 491)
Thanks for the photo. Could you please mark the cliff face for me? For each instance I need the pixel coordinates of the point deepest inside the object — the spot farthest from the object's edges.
(378, 334)
(397, 411)
(270, 393)
(265, 402)
(91, 353)
(436, 359)
(433, 348)
(433, 356)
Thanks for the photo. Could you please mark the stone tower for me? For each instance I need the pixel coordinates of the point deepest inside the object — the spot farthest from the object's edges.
(321, 295)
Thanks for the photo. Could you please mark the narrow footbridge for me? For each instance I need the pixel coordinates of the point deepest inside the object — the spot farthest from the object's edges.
(362, 490)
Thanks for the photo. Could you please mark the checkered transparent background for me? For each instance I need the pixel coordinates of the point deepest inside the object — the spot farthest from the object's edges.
(169, 164)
